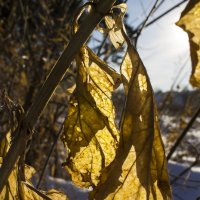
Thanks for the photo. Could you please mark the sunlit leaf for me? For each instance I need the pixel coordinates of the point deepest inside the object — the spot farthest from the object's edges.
(139, 168)
(90, 134)
(29, 172)
(114, 25)
(26, 193)
(190, 22)
(10, 190)
(55, 195)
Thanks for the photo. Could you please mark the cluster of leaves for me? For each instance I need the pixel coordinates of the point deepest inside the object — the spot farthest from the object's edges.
(118, 162)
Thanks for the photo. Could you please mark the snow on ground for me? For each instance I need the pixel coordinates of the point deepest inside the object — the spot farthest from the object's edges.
(187, 187)
(72, 192)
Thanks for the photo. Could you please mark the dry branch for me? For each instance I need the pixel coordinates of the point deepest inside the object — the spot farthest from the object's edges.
(18, 146)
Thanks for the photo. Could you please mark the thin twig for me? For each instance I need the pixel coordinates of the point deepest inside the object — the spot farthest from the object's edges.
(183, 134)
(36, 191)
(145, 21)
(102, 45)
(48, 157)
(159, 5)
(159, 17)
(185, 171)
(167, 97)
(166, 12)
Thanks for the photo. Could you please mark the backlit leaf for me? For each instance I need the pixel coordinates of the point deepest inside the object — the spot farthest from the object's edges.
(190, 22)
(114, 25)
(139, 168)
(10, 190)
(26, 193)
(55, 195)
(90, 134)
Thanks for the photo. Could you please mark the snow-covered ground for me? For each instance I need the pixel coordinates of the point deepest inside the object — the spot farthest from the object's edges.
(72, 192)
(186, 187)
(189, 148)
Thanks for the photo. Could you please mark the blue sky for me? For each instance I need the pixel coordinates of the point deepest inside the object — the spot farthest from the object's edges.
(163, 47)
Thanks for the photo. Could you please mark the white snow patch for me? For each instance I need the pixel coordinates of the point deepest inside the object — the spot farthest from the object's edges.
(72, 192)
(187, 187)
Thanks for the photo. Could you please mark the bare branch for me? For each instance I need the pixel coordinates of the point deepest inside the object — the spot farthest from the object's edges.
(165, 13)
(145, 21)
(49, 155)
(183, 134)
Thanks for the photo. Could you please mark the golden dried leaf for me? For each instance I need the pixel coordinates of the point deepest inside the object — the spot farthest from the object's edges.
(90, 134)
(26, 193)
(139, 169)
(10, 190)
(55, 195)
(115, 25)
(190, 22)
(15, 188)
(29, 172)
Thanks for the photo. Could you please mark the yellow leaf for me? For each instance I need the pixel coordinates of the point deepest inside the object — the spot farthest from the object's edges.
(17, 189)
(29, 172)
(26, 193)
(142, 82)
(55, 195)
(190, 22)
(90, 134)
(115, 35)
(139, 169)
(71, 89)
(10, 190)
(114, 25)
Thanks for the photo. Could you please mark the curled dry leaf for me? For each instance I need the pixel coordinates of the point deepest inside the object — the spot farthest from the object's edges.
(190, 22)
(139, 169)
(91, 135)
(125, 164)
(115, 17)
(114, 25)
